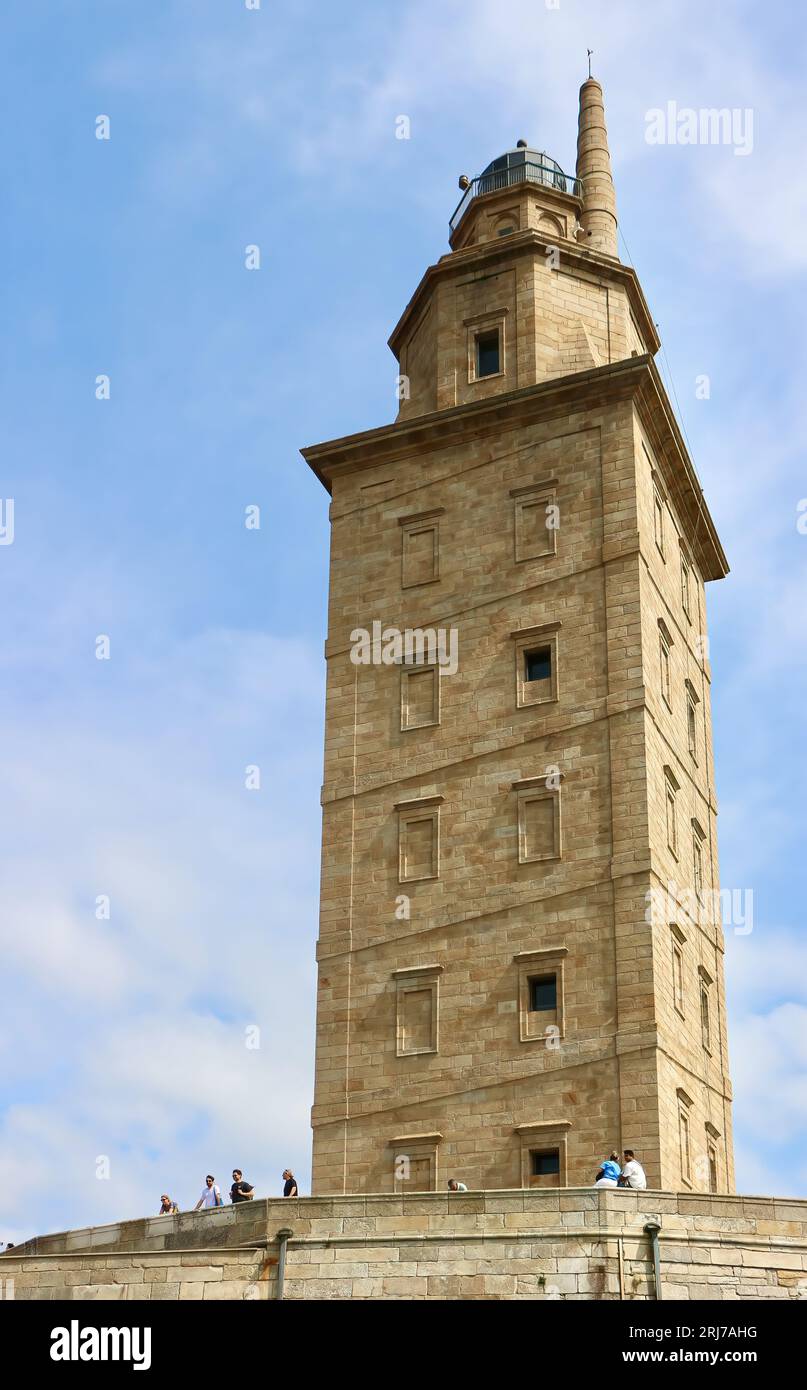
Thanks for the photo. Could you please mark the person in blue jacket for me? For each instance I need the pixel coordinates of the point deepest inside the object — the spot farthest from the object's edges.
(608, 1175)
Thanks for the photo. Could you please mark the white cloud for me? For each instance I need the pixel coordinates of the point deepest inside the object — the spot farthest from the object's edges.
(769, 1059)
(131, 1033)
(128, 1036)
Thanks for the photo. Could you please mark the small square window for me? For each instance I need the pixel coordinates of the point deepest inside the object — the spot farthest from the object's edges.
(540, 993)
(487, 353)
(545, 1168)
(543, 1153)
(543, 993)
(486, 344)
(545, 1163)
(538, 664)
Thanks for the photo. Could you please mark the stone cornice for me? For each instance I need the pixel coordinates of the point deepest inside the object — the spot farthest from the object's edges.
(542, 1127)
(416, 802)
(526, 784)
(542, 630)
(557, 200)
(572, 257)
(685, 1218)
(680, 480)
(414, 971)
(432, 1137)
(457, 423)
(542, 953)
(634, 378)
(384, 779)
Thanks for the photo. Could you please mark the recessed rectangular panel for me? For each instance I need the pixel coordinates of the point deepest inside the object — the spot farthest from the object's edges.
(534, 537)
(417, 1019)
(418, 848)
(538, 827)
(419, 699)
(419, 555)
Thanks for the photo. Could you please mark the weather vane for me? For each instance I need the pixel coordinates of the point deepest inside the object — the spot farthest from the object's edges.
(589, 51)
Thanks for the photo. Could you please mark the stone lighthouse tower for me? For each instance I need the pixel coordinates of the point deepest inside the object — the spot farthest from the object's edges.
(520, 967)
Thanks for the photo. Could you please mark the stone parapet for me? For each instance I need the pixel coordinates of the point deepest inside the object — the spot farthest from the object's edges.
(567, 1244)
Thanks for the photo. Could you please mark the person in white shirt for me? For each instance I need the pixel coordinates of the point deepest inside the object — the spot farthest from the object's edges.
(632, 1174)
(454, 1186)
(211, 1195)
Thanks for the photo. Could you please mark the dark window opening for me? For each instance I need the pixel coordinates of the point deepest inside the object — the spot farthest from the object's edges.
(487, 353)
(545, 1164)
(691, 728)
(543, 993)
(505, 231)
(538, 664)
(705, 1027)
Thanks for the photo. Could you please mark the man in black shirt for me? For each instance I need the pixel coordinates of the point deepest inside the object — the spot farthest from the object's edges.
(240, 1191)
(290, 1183)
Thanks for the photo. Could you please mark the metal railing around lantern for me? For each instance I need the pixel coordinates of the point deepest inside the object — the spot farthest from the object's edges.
(529, 172)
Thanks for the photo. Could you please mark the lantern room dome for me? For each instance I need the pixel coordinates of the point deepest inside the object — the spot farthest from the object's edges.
(522, 163)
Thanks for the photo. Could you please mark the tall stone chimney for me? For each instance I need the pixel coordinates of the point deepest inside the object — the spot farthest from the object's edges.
(594, 170)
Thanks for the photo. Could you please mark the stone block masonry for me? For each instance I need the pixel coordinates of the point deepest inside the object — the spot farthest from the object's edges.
(493, 1000)
(573, 1243)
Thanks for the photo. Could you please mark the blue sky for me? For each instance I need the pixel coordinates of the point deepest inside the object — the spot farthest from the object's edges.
(126, 1038)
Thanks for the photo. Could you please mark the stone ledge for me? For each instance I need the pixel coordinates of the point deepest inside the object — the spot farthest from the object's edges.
(253, 1223)
(566, 1243)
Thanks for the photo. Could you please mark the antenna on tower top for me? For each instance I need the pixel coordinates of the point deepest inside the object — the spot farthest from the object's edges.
(589, 51)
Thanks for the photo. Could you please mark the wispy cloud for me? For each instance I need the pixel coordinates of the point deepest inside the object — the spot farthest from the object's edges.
(137, 1031)
(125, 1037)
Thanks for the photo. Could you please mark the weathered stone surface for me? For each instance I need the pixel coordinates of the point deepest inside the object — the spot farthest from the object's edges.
(446, 886)
(702, 1254)
(452, 877)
